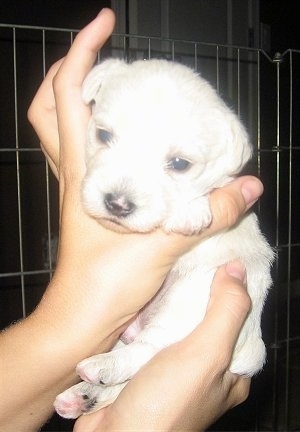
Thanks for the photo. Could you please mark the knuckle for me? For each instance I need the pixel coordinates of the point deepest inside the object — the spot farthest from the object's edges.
(31, 113)
(57, 83)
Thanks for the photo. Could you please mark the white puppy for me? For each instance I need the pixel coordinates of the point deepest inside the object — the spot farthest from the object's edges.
(160, 139)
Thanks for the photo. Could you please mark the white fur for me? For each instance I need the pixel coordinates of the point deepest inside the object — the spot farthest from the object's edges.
(157, 111)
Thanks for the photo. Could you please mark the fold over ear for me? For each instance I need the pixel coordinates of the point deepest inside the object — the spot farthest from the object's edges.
(97, 75)
(239, 148)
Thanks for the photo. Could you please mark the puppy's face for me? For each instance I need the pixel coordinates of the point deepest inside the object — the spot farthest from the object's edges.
(160, 139)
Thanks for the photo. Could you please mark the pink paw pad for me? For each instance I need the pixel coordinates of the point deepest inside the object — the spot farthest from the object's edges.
(73, 405)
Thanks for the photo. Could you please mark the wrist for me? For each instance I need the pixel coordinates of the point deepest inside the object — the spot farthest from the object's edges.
(71, 324)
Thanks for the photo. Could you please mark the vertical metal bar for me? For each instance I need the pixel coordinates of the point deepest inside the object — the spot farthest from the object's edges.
(258, 122)
(277, 150)
(18, 175)
(149, 48)
(238, 84)
(218, 71)
(277, 60)
(173, 50)
(127, 29)
(124, 47)
(229, 17)
(289, 251)
(258, 165)
(277, 207)
(196, 56)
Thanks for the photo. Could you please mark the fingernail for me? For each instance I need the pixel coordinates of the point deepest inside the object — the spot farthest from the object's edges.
(237, 270)
(251, 189)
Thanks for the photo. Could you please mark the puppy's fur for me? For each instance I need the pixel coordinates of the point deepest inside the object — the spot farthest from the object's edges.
(160, 139)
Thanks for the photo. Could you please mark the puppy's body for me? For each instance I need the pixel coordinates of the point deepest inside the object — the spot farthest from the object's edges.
(160, 140)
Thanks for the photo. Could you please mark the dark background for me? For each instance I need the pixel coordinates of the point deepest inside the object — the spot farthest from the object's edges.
(282, 15)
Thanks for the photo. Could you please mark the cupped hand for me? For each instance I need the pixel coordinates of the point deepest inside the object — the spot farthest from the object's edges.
(187, 386)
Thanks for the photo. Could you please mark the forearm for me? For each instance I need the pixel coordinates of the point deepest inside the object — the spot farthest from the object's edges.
(38, 357)
(31, 377)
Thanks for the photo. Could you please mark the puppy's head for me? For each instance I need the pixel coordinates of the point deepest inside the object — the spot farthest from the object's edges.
(159, 140)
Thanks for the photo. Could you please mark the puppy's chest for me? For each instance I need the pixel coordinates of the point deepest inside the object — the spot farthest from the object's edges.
(182, 286)
(204, 257)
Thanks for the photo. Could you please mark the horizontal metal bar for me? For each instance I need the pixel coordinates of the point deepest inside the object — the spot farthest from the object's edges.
(26, 273)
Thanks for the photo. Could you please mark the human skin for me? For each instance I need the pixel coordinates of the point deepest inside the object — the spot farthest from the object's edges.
(98, 287)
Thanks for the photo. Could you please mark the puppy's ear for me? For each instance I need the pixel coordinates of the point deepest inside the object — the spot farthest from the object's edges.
(97, 75)
(239, 148)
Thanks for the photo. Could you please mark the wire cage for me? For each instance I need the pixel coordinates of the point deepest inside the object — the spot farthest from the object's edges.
(264, 91)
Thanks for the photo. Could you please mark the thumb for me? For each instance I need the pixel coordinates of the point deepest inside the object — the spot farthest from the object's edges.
(227, 310)
(230, 303)
(229, 202)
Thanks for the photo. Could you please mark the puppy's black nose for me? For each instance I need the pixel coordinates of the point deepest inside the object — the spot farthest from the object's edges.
(118, 205)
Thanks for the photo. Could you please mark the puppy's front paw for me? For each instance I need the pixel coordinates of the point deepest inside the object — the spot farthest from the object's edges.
(84, 398)
(191, 218)
(116, 366)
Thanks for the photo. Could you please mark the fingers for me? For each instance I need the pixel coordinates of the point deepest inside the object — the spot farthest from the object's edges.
(42, 116)
(83, 52)
(226, 313)
(73, 114)
(44, 98)
(230, 202)
(230, 300)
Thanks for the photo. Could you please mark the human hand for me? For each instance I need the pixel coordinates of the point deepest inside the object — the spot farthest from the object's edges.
(187, 386)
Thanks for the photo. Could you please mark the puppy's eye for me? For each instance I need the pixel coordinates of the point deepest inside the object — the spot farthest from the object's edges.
(178, 164)
(104, 135)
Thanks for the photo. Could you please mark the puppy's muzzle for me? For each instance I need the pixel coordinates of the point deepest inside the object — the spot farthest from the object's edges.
(118, 205)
